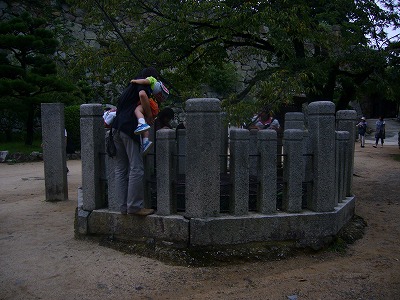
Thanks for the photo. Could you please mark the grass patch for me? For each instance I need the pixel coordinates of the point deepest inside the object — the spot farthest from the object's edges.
(396, 157)
(338, 246)
(20, 147)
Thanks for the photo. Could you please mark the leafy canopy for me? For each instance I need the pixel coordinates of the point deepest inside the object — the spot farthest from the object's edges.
(320, 49)
(28, 73)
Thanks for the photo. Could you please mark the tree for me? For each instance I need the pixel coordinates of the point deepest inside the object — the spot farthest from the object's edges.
(322, 49)
(28, 73)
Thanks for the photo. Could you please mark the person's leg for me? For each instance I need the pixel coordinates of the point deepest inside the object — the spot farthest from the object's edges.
(142, 126)
(135, 196)
(146, 143)
(362, 140)
(139, 113)
(121, 170)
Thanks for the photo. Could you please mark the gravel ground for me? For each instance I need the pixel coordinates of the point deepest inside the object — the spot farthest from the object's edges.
(41, 259)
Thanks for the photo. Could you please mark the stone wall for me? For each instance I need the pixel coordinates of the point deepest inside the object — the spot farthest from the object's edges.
(316, 159)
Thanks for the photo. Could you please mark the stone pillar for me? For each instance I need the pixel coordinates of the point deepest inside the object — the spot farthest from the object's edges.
(93, 156)
(239, 203)
(342, 141)
(54, 152)
(293, 170)
(267, 147)
(203, 130)
(165, 175)
(294, 120)
(253, 152)
(346, 121)
(321, 120)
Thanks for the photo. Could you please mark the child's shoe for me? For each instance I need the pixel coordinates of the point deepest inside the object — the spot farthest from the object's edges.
(142, 128)
(146, 147)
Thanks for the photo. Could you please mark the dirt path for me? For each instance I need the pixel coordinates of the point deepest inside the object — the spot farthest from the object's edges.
(40, 259)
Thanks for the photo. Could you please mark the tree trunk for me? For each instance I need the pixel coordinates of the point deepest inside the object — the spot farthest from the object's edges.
(348, 94)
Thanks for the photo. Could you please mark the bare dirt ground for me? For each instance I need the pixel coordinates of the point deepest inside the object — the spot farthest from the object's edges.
(40, 259)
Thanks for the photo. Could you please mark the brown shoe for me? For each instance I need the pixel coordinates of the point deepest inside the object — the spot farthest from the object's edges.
(143, 212)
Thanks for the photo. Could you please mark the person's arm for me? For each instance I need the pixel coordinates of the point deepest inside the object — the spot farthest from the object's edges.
(141, 81)
(144, 101)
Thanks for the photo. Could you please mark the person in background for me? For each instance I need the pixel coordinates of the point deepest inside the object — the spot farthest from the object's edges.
(164, 118)
(380, 132)
(66, 143)
(362, 128)
(274, 125)
(108, 116)
(265, 121)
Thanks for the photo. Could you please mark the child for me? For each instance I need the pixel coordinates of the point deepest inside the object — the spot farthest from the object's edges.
(159, 93)
(362, 128)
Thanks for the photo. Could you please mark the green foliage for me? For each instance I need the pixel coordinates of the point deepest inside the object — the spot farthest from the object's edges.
(72, 124)
(28, 73)
(222, 79)
(322, 49)
(18, 145)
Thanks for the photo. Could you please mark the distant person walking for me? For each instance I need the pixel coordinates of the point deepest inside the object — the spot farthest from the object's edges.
(362, 128)
(380, 132)
(398, 139)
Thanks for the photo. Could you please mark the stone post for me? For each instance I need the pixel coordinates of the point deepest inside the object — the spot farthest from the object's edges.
(342, 141)
(346, 121)
(293, 170)
(165, 175)
(203, 130)
(321, 124)
(93, 156)
(54, 151)
(239, 203)
(267, 147)
(294, 120)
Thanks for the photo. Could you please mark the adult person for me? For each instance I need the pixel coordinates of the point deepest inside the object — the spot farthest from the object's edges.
(362, 128)
(129, 168)
(265, 120)
(66, 143)
(274, 125)
(379, 132)
(398, 139)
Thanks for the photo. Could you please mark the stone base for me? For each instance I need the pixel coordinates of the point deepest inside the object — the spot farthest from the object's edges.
(305, 229)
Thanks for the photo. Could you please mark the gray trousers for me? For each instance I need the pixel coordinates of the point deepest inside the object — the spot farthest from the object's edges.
(129, 173)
